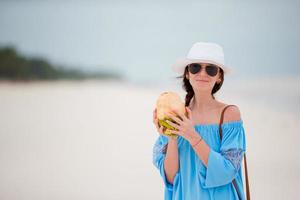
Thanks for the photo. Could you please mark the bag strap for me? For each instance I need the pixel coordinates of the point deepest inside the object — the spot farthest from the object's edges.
(245, 161)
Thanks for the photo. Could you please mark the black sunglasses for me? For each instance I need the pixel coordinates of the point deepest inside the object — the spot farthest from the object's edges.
(210, 69)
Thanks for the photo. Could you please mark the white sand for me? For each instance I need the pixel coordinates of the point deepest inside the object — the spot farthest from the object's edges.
(93, 140)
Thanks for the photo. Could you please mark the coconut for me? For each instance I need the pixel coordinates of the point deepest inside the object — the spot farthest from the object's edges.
(169, 102)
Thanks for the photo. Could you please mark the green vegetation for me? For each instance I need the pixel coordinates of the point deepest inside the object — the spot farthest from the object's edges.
(14, 66)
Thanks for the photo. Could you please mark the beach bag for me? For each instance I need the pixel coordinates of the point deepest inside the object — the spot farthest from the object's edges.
(245, 161)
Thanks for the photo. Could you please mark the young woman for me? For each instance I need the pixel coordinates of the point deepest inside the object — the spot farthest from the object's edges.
(198, 163)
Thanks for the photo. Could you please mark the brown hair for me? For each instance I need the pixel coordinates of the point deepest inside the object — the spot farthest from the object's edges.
(190, 92)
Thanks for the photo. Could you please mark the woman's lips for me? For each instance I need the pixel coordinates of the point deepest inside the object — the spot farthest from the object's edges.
(202, 81)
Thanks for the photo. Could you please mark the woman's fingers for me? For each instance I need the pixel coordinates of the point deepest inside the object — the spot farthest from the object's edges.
(156, 123)
(176, 119)
(175, 132)
(189, 113)
(154, 115)
(173, 124)
(161, 130)
(182, 116)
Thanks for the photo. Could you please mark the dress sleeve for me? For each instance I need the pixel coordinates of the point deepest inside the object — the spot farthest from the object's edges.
(159, 157)
(223, 166)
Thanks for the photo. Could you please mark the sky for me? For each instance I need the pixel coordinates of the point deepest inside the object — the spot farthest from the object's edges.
(142, 39)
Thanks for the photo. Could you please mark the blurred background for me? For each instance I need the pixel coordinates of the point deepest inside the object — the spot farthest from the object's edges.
(79, 81)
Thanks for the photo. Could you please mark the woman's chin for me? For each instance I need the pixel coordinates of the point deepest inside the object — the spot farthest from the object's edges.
(203, 88)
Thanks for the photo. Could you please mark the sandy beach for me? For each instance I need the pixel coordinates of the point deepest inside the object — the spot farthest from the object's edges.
(93, 139)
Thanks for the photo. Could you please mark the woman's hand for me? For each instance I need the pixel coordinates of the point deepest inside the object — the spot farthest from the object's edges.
(185, 125)
(160, 129)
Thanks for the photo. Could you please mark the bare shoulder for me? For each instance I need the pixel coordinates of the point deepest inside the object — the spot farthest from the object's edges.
(232, 113)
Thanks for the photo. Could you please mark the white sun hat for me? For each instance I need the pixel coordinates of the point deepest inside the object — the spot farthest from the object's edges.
(202, 52)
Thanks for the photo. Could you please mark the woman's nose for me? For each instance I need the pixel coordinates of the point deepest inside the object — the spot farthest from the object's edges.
(202, 71)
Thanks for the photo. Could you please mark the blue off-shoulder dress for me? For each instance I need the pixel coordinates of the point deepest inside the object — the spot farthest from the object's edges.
(196, 181)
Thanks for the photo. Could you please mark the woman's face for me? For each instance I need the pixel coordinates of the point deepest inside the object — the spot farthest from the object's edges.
(201, 80)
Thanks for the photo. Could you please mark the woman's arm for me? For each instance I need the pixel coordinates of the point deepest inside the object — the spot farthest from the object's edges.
(171, 162)
(202, 149)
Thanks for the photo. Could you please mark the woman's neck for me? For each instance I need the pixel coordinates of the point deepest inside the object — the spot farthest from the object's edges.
(202, 102)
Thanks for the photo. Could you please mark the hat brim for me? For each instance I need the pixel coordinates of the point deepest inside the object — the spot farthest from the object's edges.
(181, 63)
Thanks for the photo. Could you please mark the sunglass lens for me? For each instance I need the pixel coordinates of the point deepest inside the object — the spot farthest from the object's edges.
(194, 68)
(211, 70)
